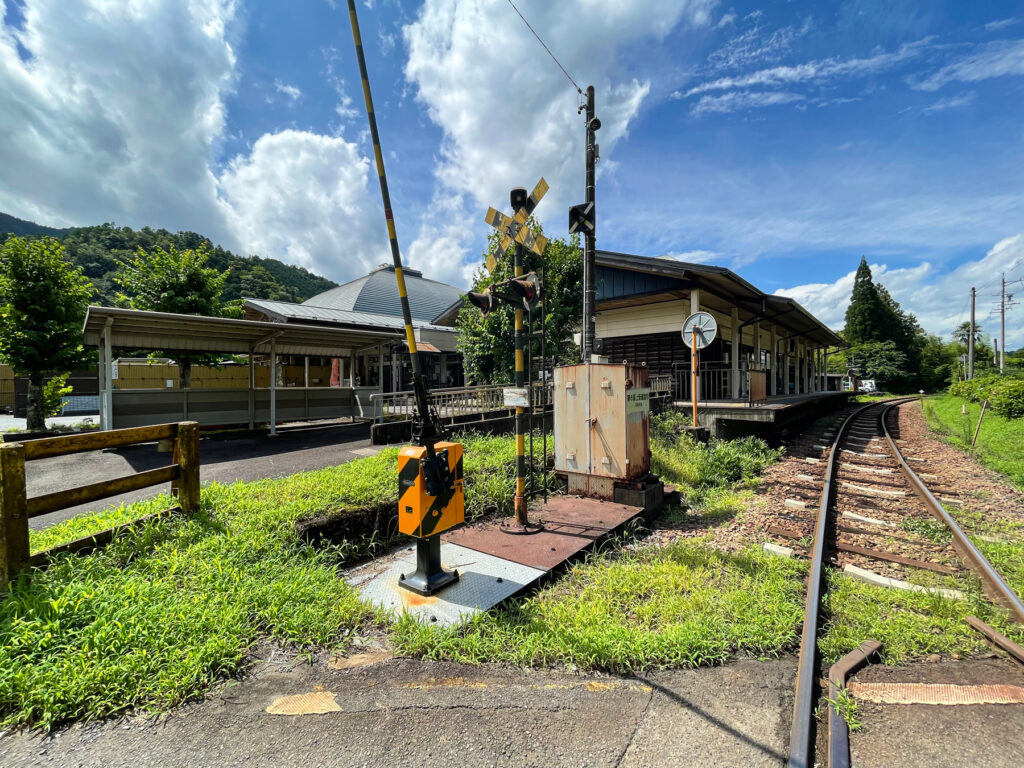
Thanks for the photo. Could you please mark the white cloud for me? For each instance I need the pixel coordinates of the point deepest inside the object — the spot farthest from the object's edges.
(949, 103)
(730, 102)
(693, 257)
(939, 299)
(992, 26)
(291, 91)
(820, 70)
(1000, 58)
(754, 46)
(118, 115)
(304, 198)
(508, 114)
(116, 112)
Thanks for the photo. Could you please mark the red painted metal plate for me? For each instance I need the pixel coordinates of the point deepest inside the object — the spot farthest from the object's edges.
(571, 524)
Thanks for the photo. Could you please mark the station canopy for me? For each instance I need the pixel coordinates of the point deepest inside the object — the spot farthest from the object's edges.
(137, 329)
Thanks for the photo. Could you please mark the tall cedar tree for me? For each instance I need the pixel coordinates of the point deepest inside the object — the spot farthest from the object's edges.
(180, 282)
(43, 301)
(487, 342)
(863, 314)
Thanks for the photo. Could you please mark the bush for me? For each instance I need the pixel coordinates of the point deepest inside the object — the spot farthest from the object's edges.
(54, 392)
(977, 389)
(1007, 398)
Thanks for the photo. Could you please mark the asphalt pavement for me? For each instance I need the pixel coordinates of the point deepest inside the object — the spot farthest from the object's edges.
(224, 457)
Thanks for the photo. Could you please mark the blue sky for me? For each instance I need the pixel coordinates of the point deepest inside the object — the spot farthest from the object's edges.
(783, 140)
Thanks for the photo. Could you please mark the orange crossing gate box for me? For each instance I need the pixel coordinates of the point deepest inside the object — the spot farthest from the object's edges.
(420, 514)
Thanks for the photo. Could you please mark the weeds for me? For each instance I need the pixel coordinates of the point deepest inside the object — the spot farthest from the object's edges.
(684, 605)
(846, 707)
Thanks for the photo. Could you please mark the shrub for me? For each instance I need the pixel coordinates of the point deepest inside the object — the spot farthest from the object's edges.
(1007, 398)
(54, 392)
(977, 389)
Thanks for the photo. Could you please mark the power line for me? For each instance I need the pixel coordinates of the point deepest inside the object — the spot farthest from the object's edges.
(578, 89)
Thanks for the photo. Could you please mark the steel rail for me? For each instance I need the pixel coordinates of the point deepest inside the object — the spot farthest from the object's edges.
(972, 556)
(801, 748)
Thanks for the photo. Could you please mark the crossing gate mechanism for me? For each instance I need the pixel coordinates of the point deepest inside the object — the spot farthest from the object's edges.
(431, 488)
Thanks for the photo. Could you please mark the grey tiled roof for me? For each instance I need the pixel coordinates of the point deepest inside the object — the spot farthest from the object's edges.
(377, 293)
(287, 311)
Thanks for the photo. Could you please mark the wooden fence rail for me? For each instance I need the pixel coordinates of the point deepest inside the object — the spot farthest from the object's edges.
(16, 508)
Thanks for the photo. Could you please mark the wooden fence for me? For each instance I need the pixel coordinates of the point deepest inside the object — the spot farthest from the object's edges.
(16, 509)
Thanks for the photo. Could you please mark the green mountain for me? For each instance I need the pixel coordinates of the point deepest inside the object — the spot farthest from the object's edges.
(10, 225)
(97, 251)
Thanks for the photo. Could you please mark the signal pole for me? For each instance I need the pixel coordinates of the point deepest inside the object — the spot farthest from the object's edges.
(970, 341)
(589, 235)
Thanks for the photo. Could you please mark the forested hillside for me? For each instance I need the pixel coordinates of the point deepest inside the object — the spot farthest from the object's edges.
(97, 250)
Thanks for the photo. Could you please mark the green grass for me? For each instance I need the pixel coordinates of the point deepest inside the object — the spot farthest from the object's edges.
(684, 605)
(176, 604)
(1000, 443)
(714, 479)
(909, 625)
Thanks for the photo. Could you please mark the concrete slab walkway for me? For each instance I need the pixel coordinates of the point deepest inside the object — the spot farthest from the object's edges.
(413, 713)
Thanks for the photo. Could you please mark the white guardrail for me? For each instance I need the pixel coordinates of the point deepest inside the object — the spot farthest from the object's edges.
(456, 402)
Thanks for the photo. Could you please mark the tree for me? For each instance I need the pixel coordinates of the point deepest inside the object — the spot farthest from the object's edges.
(487, 342)
(878, 360)
(863, 314)
(43, 302)
(180, 282)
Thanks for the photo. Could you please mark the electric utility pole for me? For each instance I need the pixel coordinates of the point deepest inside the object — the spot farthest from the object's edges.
(970, 341)
(589, 233)
(1002, 327)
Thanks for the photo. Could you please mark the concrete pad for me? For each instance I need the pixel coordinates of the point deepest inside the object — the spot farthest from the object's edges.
(427, 715)
(735, 715)
(484, 581)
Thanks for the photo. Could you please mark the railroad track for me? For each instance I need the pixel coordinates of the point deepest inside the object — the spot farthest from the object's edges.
(861, 505)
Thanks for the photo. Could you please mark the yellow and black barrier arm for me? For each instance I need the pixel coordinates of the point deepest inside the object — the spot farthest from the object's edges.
(427, 431)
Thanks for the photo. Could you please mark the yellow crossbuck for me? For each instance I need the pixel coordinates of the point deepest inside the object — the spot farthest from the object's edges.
(514, 229)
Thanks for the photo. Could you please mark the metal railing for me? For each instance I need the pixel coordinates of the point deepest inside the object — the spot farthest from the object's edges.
(453, 404)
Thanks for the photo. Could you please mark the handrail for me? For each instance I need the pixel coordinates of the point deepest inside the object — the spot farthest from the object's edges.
(16, 508)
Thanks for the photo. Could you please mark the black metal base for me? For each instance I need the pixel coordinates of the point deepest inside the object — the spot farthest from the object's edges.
(429, 577)
(514, 527)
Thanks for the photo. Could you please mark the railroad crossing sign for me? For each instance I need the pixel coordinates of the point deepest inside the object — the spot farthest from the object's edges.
(702, 326)
(514, 229)
(582, 218)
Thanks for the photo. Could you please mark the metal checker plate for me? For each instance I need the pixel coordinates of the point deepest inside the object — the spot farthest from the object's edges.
(571, 524)
(478, 588)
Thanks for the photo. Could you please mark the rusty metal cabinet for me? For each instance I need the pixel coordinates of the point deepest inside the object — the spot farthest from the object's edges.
(602, 420)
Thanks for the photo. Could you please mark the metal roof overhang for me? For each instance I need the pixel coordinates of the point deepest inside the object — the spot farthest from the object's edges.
(728, 286)
(137, 329)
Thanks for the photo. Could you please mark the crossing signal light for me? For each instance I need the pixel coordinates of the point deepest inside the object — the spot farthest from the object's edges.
(527, 288)
(484, 301)
(582, 219)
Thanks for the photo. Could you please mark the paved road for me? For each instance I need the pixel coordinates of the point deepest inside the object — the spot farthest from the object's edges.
(225, 458)
(412, 713)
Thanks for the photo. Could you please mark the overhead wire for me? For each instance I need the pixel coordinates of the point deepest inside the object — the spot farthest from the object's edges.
(553, 57)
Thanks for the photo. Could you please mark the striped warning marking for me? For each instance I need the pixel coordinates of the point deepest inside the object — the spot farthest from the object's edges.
(937, 693)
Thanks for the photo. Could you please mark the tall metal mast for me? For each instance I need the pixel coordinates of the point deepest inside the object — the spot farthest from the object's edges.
(589, 234)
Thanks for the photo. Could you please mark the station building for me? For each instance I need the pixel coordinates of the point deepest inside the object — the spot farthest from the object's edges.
(769, 351)
(371, 303)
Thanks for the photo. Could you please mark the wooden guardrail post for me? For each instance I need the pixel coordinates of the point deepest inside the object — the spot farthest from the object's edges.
(186, 455)
(14, 551)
